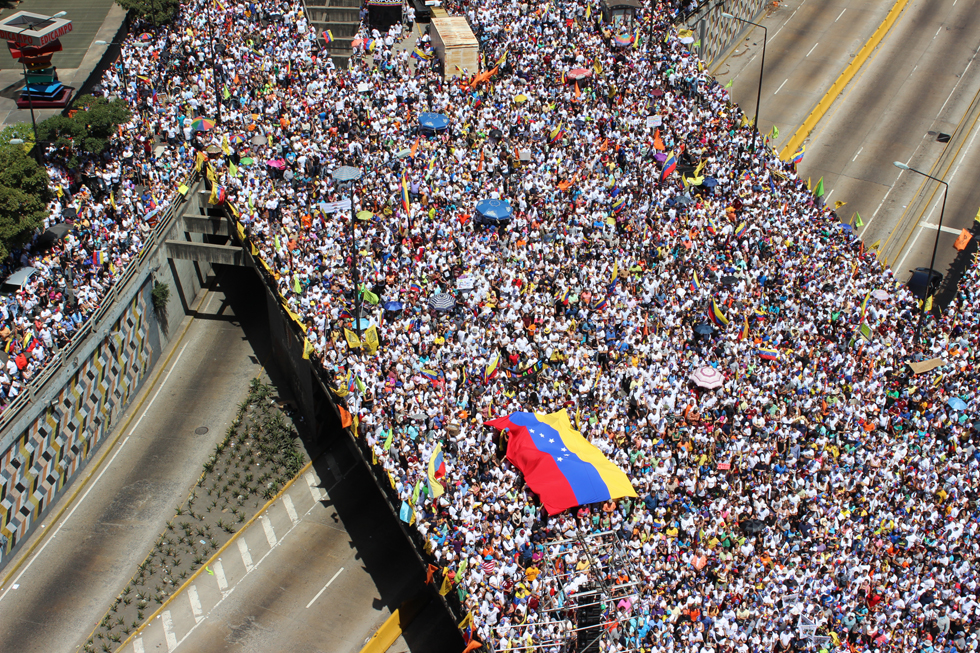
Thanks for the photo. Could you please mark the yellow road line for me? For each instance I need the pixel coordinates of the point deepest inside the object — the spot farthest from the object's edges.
(214, 557)
(394, 625)
(845, 77)
(64, 504)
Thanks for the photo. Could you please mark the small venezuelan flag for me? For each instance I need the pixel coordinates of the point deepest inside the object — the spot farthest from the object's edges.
(767, 353)
(715, 314)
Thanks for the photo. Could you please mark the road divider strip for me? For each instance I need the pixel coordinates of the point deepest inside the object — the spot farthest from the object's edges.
(213, 558)
(842, 81)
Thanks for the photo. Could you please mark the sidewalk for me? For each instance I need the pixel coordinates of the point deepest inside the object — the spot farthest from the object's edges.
(92, 20)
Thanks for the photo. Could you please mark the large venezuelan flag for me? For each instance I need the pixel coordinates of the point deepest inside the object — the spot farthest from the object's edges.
(559, 465)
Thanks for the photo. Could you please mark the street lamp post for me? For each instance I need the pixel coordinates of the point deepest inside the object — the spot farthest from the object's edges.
(345, 177)
(935, 245)
(214, 67)
(762, 71)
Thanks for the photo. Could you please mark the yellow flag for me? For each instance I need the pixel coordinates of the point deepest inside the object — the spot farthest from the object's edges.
(588, 11)
(873, 247)
(225, 145)
(838, 204)
(352, 340)
(307, 349)
(112, 201)
(213, 199)
(213, 178)
(976, 218)
(446, 585)
(697, 170)
(201, 158)
(615, 272)
(928, 303)
(371, 341)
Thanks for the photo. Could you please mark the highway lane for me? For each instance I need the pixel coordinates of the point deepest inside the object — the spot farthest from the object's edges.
(810, 43)
(921, 82)
(62, 590)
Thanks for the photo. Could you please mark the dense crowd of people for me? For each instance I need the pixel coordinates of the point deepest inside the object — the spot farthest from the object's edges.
(823, 496)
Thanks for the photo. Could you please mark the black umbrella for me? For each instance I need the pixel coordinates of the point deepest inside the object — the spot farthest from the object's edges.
(69, 213)
(704, 329)
(53, 234)
(729, 280)
(496, 135)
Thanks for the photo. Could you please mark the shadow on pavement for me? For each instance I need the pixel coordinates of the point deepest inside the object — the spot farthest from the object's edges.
(384, 550)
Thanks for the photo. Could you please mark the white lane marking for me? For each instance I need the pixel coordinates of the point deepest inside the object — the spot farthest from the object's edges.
(944, 229)
(219, 576)
(270, 535)
(827, 197)
(99, 477)
(138, 645)
(290, 508)
(812, 49)
(857, 155)
(224, 595)
(840, 14)
(168, 630)
(314, 490)
(938, 202)
(329, 582)
(781, 86)
(195, 603)
(246, 556)
(938, 31)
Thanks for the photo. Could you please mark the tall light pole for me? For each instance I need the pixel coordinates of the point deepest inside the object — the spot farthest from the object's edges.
(214, 66)
(345, 177)
(762, 71)
(935, 245)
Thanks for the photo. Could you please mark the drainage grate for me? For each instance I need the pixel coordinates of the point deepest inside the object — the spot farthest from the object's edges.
(201, 430)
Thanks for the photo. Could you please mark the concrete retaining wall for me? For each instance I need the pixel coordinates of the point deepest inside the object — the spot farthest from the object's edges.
(718, 33)
(55, 427)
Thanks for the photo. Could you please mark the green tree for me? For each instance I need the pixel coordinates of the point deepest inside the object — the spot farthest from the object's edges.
(87, 130)
(24, 191)
(156, 12)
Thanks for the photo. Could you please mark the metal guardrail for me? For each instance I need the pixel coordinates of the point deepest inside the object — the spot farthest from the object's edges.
(65, 356)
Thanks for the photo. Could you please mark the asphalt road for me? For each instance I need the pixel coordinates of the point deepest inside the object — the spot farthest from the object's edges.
(810, 43)
(922, 81)
(56, 597)
(317, 576)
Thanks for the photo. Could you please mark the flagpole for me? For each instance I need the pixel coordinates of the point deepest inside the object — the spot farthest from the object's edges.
(762, 71)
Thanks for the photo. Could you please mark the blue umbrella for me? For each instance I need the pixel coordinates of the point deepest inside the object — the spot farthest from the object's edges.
(393, 306)
(494, 211)
(433, 121)
(956, 403)
(710, 182)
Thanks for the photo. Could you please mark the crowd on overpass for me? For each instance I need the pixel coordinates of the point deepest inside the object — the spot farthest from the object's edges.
(823, 483)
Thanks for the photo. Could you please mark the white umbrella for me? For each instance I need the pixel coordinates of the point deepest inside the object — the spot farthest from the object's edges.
(708, 377)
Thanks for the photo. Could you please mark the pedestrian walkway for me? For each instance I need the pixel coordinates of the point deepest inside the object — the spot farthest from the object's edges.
(296, 552)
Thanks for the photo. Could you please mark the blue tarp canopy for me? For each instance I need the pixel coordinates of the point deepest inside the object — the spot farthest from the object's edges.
(435, 122)
(493, 211)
